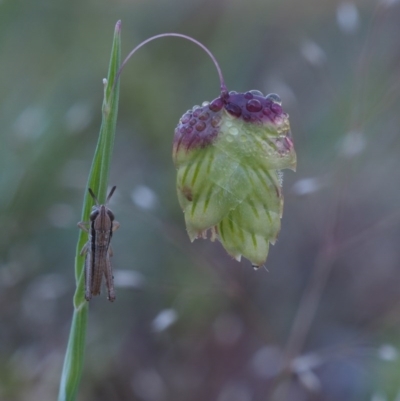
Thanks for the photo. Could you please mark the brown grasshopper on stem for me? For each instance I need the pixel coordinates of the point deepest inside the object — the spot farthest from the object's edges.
(98, 249)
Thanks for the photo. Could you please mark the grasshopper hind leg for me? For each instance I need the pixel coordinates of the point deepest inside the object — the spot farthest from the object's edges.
(108, 273)
(88, 275)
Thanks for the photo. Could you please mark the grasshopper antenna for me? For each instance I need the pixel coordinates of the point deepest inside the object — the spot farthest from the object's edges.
(111, 193)
(93, 196)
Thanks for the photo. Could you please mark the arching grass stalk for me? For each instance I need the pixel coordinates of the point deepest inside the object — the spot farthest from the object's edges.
(178, 35)
(98, 181)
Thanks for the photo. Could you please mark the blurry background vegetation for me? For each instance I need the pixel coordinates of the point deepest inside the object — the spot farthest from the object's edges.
(189, 323)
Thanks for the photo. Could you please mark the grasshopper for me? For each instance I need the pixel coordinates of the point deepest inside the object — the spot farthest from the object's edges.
(98, 249)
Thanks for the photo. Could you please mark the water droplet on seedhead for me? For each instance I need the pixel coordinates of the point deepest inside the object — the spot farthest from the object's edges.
(200, 126)
(256, 92)
(232, 93)
(267, 111)
(204, 116)
(216, 105)
(215, 121)
(273, 97)
(186, 118)
(197, 112)
(206, 103)
(233, 109)
(233, 131)
(253, 105)
(276, 108)
(248, 95)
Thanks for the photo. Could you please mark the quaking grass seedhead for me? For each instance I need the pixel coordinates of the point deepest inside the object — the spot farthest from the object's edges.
(229, 154)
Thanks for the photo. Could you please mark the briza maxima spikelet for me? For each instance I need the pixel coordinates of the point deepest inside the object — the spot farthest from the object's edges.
(229, 155)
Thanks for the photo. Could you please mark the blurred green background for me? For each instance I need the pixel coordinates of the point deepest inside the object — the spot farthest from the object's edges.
(189, 323)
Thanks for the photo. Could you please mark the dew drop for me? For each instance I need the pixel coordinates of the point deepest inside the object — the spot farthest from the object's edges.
(256, 92)
(253, 105)
(233, 131)
(206, 103)
(233, 109)
(274, 98)
(215, 121)
(276, 108)
(204, 116)
(189, 130)
(200, 126)
(248, 95)
(246, 117)
(216, 104)
(197, 112)
(193, 121)
(232, 93)
(186, 118)
(229, 138)
(267, 111)
(182, 130)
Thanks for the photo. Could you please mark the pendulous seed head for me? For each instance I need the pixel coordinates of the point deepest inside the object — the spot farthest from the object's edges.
(229, 154)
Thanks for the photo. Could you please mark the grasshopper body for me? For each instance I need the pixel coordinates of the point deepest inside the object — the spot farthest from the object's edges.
(98, 249)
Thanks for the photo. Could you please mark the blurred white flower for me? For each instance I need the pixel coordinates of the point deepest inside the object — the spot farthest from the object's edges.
(388, 353)
(144, 197)
(164, 319)
(305, 363)
(306, 186)
(313, 53)
(347, 17)
(31, 123)
(353, 144)
(266, 361)
(310, 381)
(128, 279)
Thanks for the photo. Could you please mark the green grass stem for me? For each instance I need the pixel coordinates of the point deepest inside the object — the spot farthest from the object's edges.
(98, 181)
